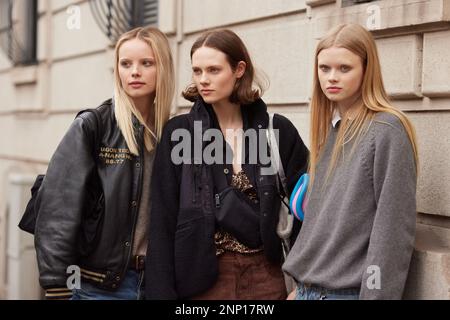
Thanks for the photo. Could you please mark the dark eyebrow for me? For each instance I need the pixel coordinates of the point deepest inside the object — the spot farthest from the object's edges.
(208, 67)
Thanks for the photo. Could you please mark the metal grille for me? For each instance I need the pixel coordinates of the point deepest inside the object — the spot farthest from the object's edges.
(18, 39)
(115, 17)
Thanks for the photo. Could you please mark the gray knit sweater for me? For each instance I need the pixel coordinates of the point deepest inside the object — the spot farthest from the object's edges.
(364, 219)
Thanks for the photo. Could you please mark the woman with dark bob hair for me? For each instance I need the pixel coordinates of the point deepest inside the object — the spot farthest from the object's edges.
(215, 210)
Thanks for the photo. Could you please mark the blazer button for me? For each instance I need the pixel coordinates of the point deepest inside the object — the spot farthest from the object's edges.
(266, 193)
(117, 278)
(138, 165)
(134, 203)
(127, 244)
(226, 171)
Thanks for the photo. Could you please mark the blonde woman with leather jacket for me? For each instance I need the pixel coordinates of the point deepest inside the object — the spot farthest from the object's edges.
(94, 203)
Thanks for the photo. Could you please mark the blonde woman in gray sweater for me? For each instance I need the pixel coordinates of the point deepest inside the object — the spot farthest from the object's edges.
(359, 226)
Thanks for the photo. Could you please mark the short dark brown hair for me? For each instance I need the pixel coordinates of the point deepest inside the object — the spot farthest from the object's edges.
(235, 51)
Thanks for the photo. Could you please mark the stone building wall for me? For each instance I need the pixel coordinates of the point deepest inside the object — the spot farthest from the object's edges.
(74, 71)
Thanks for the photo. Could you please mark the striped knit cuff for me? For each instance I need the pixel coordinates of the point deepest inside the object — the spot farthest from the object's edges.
(58, 294)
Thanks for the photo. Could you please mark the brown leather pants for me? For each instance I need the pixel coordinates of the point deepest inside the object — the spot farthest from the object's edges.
(246, 277)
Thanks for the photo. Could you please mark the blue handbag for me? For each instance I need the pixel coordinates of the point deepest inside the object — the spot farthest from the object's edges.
(297, 202)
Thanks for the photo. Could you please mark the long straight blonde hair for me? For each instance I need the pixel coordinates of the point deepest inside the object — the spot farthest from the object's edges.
(374, 98)
(165, 87)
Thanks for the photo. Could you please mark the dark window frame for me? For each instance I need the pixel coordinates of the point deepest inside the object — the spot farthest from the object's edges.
(115, 17)
(348, 3)
(21, 49)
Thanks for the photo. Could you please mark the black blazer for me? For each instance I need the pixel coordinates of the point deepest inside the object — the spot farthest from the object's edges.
(181, 256)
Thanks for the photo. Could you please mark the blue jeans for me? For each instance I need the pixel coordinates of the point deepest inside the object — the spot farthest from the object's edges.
(307, 292)
(131, 288)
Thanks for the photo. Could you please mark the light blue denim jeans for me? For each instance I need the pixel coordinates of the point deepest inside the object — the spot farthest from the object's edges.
(307, 292)
(131, 288)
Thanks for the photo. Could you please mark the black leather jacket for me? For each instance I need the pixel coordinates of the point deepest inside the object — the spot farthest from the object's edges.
(88, 203)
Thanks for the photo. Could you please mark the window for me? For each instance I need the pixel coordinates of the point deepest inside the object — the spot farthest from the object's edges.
(115, 17)
(18, 30)
(347, 3)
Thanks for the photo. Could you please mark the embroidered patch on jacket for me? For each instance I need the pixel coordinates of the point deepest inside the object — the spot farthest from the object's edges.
(114, 155)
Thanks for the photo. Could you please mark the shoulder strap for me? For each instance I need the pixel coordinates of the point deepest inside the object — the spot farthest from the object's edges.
(275, 153)
(285, 219)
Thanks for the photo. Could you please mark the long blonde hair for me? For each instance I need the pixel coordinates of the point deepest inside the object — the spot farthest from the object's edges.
(165, 87)
(374, 98)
